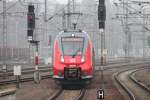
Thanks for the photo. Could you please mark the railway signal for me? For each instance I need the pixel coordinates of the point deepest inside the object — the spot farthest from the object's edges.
(30, 22)
(101, 25)
(101, 14)
(102, 19)
(31, 17)
(30, 35)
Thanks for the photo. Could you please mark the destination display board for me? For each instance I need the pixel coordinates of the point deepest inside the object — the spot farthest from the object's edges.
(72, 39)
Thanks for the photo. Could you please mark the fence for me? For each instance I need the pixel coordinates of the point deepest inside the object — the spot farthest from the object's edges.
(11, 53)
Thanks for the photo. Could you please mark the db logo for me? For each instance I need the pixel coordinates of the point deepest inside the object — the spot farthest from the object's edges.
(100, 94)
(72, 60)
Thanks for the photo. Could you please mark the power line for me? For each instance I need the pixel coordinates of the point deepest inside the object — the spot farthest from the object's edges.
(10, 7)
(129, 14)
(60, 10)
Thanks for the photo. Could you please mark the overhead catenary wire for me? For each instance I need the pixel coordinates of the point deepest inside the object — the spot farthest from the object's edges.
(57, 12)
(14, 4)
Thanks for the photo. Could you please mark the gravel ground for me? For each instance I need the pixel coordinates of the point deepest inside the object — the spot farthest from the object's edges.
(24, 76)
(10, 97)
(69, 95)
(42, 91)
(111, 92)
(143, 76)
(46, 88)
(32, 91)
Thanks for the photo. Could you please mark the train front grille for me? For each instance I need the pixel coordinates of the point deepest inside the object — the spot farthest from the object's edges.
(72, 73)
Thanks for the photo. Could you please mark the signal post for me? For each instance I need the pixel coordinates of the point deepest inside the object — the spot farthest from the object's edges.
(102, 19)
(30, 31)
(37, 76)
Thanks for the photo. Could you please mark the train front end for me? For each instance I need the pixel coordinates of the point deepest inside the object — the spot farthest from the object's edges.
(72, 58)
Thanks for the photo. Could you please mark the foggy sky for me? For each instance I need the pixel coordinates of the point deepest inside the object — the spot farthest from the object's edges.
(65, 1)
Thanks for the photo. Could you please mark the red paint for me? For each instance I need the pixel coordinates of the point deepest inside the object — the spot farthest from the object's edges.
(69, 61)
(36, 60)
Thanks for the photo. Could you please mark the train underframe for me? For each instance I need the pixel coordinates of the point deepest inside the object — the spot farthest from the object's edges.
(73, 76)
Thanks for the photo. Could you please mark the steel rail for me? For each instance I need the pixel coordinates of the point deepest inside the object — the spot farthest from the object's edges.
(56, 95)
(24, 72)
(127, 90)
(23, 80)
(124, 87)
(142, 85)
(81, 95)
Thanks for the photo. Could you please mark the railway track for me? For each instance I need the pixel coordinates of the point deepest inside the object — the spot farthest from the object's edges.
(121, 65)
(46, 69)
(142, 85)
(27, 71)
(56, 95)
(130, 94)
(82, 93)
(132, 88)
(61, 92)
(27, 75)
(23, 80)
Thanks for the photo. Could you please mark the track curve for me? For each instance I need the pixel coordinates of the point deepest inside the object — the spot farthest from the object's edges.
(134, 91)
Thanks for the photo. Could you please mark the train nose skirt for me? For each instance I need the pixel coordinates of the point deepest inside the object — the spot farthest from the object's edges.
(72, 73)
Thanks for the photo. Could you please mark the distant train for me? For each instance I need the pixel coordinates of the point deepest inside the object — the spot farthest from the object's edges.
(73, 58)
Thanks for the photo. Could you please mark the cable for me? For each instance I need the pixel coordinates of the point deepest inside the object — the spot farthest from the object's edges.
(57, 12)
(20, 1)
(10, 6)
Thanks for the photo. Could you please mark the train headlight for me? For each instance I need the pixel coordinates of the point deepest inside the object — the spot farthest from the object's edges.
(83, 59)
(62, 59)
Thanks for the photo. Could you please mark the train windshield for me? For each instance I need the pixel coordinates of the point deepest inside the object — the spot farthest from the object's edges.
(72, 46)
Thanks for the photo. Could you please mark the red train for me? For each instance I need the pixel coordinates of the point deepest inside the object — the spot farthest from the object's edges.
(73, 58)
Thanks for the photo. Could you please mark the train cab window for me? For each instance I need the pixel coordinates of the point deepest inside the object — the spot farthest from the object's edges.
(72, 46)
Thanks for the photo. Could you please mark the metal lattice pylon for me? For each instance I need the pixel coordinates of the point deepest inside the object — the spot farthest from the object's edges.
(4, 32)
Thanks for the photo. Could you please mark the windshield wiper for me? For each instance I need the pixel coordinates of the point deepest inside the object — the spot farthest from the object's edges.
(75, 53)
